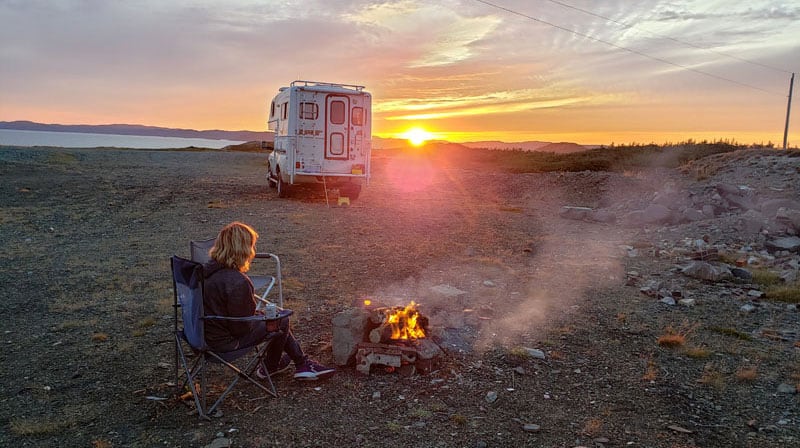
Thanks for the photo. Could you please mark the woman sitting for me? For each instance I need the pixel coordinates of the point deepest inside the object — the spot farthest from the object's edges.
(229, 292)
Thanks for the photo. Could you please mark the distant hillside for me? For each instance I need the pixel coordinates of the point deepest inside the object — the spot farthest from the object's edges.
(562, 148)
(493, 144)
(134, 129)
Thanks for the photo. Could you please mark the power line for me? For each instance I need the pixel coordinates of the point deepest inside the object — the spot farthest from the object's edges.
(630, 50)
(663, 36)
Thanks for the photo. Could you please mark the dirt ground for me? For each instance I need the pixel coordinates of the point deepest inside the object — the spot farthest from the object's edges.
(86, 237)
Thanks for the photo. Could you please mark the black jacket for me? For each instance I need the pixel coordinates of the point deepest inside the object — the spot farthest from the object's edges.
(227, 292)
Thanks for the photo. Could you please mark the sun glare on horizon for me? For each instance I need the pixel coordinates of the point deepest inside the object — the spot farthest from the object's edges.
(417, 136)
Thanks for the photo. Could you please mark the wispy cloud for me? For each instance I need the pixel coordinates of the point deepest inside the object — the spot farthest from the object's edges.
(464, 64)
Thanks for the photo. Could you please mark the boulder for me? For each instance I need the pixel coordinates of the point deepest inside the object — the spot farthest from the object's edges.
(349, 329)
(788, 217)
(789, 243)
(655, 214)
(707, 271)
(770, 207)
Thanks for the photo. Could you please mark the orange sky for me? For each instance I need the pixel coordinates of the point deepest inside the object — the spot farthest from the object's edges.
(465, 70)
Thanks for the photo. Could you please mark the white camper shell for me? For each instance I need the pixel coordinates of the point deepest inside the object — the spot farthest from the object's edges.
(322, 135)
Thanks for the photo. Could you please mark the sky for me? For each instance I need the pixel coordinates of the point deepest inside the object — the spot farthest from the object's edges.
(583, 71)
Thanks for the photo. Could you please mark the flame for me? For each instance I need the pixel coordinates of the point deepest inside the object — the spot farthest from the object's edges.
(367, 302)
(404, 323)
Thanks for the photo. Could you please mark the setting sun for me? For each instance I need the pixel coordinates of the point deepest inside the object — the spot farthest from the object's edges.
(417, 136)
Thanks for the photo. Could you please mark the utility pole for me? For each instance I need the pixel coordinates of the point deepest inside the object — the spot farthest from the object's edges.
(788, 109)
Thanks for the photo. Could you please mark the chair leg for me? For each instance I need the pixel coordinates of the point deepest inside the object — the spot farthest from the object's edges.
(191, 373)
(249, 369)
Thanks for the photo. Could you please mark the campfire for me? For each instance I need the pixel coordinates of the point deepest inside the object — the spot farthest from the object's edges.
(398, 324)
(394, 338)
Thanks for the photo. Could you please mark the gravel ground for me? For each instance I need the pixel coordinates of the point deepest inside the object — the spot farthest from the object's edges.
(86, 241)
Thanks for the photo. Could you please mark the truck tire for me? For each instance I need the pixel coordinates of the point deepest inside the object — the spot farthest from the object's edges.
(283, 189)
(352, 191)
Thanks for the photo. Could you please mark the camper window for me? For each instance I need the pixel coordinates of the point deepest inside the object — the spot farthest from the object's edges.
(357, 116)
(285, 110)
(272, 110)
(337, 112)
(309, 111)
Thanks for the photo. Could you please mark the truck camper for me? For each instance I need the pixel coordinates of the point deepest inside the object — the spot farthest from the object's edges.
(322, 135)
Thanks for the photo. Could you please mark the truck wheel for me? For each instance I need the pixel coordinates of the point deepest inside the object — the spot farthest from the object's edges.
(351, 191)
(283, 189)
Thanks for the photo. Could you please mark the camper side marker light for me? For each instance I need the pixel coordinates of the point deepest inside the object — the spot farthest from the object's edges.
(357, 169)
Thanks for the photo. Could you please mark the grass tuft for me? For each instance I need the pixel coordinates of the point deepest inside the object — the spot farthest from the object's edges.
(765, 277)
(36, 427)
(787, 294)
(651, 371)
(674, 337)
(732, 332)
(99, 337)
(592, 427)
(746, 373)
(458, 419)
(712, 377)
(697, 352)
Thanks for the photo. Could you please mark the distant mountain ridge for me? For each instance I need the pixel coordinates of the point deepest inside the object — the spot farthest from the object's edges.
(135, 129)
(253, 136)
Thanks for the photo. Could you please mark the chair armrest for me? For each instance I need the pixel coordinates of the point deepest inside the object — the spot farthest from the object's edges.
(258, 317)
(265, 255)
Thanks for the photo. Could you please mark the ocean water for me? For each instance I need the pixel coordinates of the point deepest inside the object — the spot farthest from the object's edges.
(12, 137)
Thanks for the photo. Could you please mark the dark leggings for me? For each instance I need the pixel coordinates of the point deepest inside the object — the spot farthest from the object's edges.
(282, 341)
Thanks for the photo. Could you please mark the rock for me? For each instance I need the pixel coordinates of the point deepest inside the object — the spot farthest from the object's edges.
(747, 308)
(531, 427)
(788, 276)
(741, 273)
(489, 284)
(784, 388)
(751, 222)
(770, 207)
(427, 349)
(220, 442)
(789, 243)
(576, 213)
(348, 328)
(687, 302)
(728, 189)
(535, 353)
(706, 271)
(789, 218)
(491, 396)
(447, 290)
(655, 214)
(692, 215)
(667, 300)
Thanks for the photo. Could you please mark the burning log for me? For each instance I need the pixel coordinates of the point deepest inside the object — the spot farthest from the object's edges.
(382, 333)
(398, 323)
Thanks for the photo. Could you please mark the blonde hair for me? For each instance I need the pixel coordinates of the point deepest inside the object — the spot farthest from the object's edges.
(235, 246)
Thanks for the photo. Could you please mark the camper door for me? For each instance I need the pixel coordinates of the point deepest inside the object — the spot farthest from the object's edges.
(337, 127)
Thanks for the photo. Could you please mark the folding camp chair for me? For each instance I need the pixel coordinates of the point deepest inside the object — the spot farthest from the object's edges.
(262, 284)
(189, 329)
